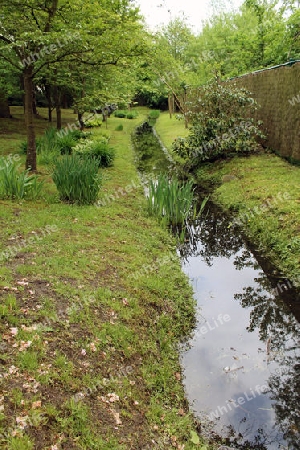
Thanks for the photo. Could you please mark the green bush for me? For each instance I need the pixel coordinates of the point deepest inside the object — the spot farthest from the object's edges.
(98, 150)
(54, 141)
(95, 122)
(133, 114)
(66, 143)
(154, 114)
(221, 125)
(119, 127)
(24, 145)
(121, 114)
(16, 184)
(77, 179)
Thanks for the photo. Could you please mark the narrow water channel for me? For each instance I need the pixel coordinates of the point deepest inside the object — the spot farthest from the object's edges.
(242, 363)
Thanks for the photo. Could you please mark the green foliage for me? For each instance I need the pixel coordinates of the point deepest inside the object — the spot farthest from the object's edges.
(220, 125)
(95, 122)
(119, 127)
(65, 143)
(170, 200)
(15, 184)
(121, 114)
(132, 115)
(55, 142)
(98, 150)
(77, 180)
(154, 114)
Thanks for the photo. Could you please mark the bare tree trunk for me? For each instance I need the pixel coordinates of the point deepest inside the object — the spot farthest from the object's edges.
(28, 106)
(80, 120)
(49, 101)
(170, 105)
(4, 107)
(57, 97)
(34, 107)
(58, 116)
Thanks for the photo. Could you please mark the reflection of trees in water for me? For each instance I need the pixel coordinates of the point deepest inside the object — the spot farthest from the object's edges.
(274, 322)
(285, 387)
(278, 327)
(216, 233)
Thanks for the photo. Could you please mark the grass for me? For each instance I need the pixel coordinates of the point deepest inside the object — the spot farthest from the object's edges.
(170, 200)
(262, 191)
(170, 129)
(89, 352)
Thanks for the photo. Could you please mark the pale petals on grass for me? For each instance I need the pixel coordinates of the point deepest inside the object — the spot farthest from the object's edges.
(22, 422)
(24, 345)
(23, 282)
(36, 405)
(93, 347)
(29, 329)
(116, 417)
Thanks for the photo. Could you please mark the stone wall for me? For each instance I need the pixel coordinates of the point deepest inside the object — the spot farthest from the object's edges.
(277, 91)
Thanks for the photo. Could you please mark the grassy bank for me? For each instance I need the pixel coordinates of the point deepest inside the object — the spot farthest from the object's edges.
(263, 192)
(93, 304)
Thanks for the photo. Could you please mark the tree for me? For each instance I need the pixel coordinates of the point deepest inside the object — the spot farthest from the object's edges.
(36, 34)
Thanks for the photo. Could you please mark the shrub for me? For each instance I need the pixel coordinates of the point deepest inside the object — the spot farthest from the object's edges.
(15, 184)
(56, 141)
(154, 114)
(132, 115)
(119, 127)
(77, 180)
(170, 200)
(219, 125)
(95, 122)
(121, 114)
(24, 145)
(98, 150)
(66, 143)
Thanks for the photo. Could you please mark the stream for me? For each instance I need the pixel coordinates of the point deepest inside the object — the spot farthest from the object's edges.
(241, 365)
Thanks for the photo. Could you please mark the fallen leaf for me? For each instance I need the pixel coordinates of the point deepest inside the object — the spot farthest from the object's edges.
(116, 417)
(36, 404)
(195, 438)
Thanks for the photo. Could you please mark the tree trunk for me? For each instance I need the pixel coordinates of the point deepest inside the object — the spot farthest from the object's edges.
(28, 106)
(49, 101)
(58, 116)
(80, 120)
(4, 107)
(170, 105)
(57, 99)
(34, 107)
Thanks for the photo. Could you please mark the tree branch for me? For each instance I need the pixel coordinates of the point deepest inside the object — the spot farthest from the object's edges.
(5, 39)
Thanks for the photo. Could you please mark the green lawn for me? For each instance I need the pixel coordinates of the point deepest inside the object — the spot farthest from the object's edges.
(169, 129)
(93, 304)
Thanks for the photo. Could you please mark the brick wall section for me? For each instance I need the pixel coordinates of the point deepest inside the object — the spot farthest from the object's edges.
(275, 90)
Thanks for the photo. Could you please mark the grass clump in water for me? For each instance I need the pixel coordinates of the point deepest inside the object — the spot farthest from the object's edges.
(170, 200)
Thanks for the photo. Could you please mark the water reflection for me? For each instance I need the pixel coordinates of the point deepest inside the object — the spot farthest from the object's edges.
(259, 346)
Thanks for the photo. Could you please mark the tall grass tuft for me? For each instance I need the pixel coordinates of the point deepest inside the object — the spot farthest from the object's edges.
(77, 180)
(16, 184)
(171, 201)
